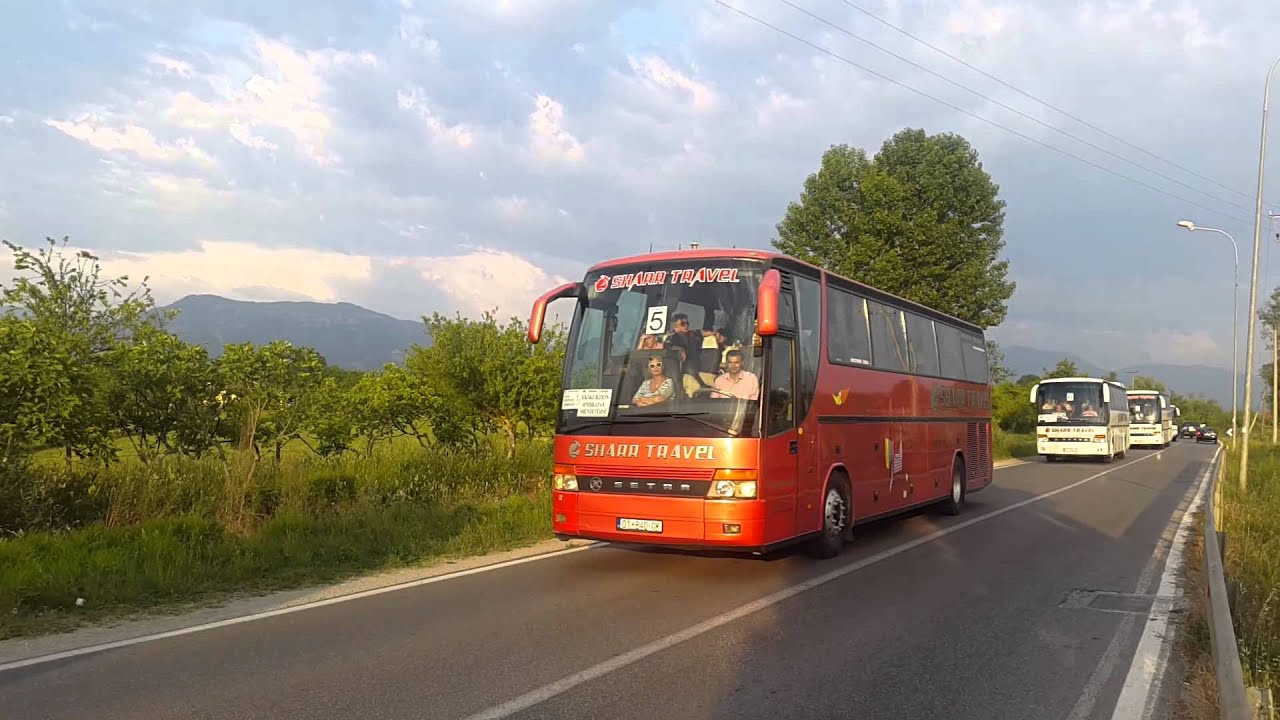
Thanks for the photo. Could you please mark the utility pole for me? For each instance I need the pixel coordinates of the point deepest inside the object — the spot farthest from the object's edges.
(1253, 284)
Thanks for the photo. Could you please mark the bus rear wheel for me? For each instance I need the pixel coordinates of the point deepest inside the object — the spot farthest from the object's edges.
(836, 518)
(952, 504)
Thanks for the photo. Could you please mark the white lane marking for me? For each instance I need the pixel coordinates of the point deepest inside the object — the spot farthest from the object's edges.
(617, 662)
(14, 665)
(1150, 660)
(26, 662)
(1110, 659)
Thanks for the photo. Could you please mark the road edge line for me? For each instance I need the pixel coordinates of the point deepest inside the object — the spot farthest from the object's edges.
(1151, 656)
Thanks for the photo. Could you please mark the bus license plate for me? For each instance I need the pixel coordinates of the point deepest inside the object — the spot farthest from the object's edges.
(648, 526)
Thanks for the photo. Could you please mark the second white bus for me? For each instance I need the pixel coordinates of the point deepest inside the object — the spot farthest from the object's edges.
(1081, 417)
(1151, 419)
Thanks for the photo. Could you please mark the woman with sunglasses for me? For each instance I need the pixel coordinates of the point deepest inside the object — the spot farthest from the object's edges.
(657, 388)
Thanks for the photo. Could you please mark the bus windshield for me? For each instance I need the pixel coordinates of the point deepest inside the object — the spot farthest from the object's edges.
(1071, 403)
(665, 349)
(1144, 409)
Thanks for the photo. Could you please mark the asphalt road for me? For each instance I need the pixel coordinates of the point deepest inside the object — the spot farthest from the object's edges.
(968, 620)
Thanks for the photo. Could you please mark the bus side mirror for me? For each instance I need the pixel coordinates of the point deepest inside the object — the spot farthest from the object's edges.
(539, 314)
(1031, 398)
(1106, 394)
(767, 303)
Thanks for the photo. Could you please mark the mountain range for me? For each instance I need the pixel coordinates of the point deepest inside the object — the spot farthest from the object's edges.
(347, 335)
(356, 338)
(1204, 380)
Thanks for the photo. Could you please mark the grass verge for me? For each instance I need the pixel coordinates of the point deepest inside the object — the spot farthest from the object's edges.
(1198, 698)
(1007, 446)
(1251, 520)
(169, 561)
(130, 537)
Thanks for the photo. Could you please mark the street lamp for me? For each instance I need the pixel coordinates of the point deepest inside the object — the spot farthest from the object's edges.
(1235, 295)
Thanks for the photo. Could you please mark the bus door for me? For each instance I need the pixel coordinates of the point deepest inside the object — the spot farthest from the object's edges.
(780, 468)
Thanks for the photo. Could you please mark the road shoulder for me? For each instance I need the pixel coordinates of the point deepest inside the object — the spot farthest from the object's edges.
(193, 615)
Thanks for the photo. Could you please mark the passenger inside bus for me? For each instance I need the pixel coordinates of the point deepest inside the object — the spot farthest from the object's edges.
(656, 388)
(736, 382)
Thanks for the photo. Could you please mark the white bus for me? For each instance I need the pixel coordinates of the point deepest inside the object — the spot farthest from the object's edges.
(1177, 415)
(1151, 418)
(1081, 417)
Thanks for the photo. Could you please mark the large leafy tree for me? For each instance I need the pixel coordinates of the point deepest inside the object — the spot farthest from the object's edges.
(922, 219)
(275, 387)
(164, 395)
(1064, 368)
(486, 375)
(65, 323)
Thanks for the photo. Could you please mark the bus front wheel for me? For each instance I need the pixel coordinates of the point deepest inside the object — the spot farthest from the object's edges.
(836, 518)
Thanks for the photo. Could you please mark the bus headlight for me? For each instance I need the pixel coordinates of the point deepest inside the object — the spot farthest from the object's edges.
(565, 479)
(734, 484)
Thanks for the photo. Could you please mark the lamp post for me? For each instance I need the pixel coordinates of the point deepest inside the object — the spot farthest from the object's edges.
(1253, 283)
(1235, 295)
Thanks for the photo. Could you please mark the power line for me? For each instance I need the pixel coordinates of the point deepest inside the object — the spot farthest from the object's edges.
(974, 115)
(1024, 93)
(1010, 108)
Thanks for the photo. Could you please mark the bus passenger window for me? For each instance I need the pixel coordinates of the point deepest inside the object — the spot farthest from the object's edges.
(781, 398)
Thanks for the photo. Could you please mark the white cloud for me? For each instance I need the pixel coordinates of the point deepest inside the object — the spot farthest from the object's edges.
(471, 282)
(487, 279)
(414, 100)
(286, 92)
(130, 139)
(550, 140)
(178, 67)
(658, 74)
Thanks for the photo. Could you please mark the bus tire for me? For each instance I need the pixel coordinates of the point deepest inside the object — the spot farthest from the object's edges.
(837, 517)
(955, 499)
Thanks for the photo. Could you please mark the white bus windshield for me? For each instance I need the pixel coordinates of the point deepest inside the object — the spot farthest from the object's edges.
(1070, 403)
(671, 340)
(1144, 409)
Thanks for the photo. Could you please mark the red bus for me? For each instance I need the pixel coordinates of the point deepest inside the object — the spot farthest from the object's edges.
(742, 399)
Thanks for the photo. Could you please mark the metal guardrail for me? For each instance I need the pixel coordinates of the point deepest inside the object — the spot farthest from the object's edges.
(1233, 698)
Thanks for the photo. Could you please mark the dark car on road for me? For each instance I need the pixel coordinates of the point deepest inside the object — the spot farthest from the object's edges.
(1206, 434)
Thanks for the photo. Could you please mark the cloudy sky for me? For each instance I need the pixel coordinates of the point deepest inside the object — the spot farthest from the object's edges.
(424, 155)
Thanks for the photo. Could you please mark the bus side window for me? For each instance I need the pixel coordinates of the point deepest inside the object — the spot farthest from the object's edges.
(781, 397)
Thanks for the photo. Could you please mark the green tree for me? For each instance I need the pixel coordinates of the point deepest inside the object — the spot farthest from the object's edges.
(1011, 408)
(922, 219)
(80, 318)
(34, 391)
(1064, 368)
(487, 376)
(275, 386)
(1113, 376)
(1028, 380)
(163, 395)
(995, 359)
(1144, 382)
(1269, 316)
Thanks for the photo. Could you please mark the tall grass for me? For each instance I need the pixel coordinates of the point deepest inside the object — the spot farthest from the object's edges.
(133, 535)
(1251, 520)
(1006, 445)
